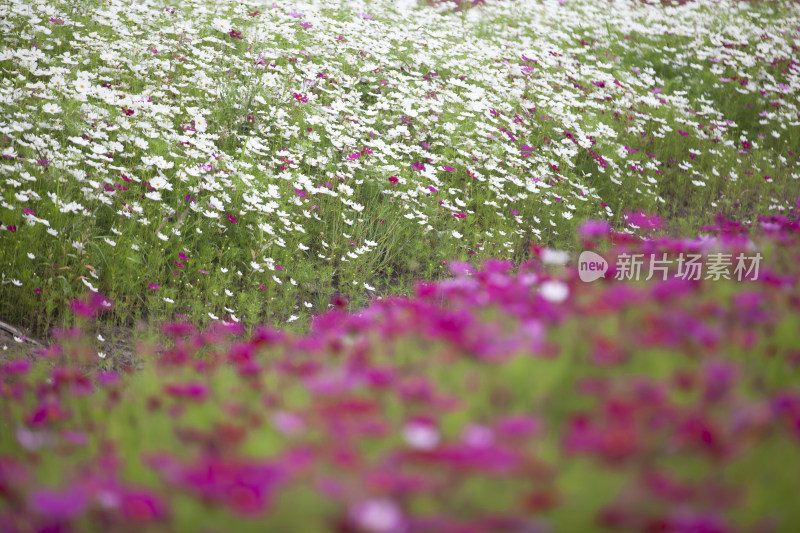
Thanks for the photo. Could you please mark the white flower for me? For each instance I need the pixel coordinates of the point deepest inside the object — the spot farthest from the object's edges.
(378, 516)
(109, 241)
(554, 291)
(82, 85)
(421, 436)
(159, 182)
(31, 256)
(51, 108)
(16, 282)
(101, 355)
(292, 318)
(222, 25)
(212, 316)
(554, 257)
(456, 234)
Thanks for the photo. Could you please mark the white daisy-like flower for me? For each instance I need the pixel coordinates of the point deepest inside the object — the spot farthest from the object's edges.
(421, 436)
(89, 285)
(160, 182)
(222, 25)
(554, 291)
(51, 108)
(554, 257)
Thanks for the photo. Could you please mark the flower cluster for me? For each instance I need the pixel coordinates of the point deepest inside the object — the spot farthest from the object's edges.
(501, 400)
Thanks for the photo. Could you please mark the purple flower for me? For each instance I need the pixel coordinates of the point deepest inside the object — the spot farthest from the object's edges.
(59, 505)
(594, 228)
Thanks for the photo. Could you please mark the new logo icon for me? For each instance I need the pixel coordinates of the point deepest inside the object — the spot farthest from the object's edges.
(591, 266)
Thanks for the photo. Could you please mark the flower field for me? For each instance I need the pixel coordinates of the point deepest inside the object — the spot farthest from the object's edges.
(221, 161)
(494, 401)
(400, 267)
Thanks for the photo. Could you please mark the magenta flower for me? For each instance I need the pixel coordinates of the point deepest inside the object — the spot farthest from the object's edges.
(142, 506)
(594, 228)
(94, 304)
(60, 505)
(193, 390)
(154, 286)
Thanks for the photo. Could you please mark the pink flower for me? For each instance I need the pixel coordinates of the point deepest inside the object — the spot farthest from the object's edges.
(94, 304)
(154, 286)
(60, 505)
